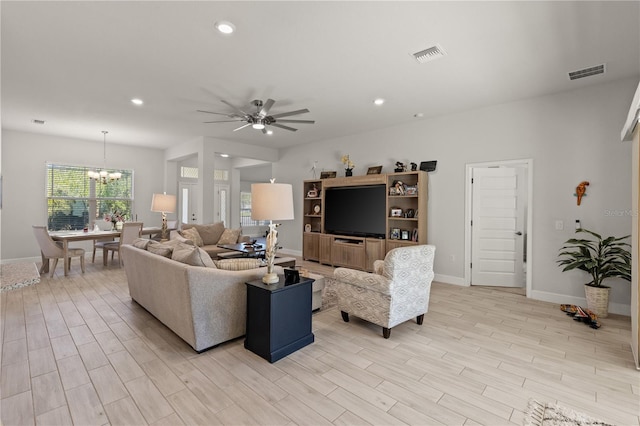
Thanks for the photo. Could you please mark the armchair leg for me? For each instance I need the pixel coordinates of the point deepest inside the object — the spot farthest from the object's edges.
(419, 319)
(53, 268)
(82, 263)
(345, 316)
(386, 332)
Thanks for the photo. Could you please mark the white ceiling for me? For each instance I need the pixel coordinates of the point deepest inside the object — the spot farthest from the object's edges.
(78, 64)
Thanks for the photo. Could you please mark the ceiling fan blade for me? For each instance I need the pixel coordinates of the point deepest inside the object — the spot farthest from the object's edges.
(266, 107)
(234, 107)
(287, 114)
(242, 127)
(297, 121)
(284, 127)
(211, 112)
(224, 121)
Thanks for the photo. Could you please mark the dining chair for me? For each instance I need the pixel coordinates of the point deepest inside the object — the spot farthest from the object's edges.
(99, 243)
(49, 249)
(130, 231)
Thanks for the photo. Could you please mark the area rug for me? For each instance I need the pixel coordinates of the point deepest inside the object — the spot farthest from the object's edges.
(18, 275)
(329, 296)
(547, 414)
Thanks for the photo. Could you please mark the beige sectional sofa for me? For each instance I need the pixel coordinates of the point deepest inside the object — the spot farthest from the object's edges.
(209, 236)
(205, 306)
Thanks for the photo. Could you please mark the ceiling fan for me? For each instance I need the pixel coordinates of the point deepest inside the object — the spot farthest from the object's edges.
(260, 118)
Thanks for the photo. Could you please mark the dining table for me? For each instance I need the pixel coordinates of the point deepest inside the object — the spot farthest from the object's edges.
(65, 236)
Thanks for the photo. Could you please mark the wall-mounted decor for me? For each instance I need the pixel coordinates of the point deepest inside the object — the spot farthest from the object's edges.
(581, 190)
(376, 170)
(327, 175)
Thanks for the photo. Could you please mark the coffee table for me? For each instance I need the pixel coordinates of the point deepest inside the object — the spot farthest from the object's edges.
(248, 250)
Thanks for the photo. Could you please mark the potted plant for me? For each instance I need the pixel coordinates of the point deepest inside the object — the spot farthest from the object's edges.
(600, 258)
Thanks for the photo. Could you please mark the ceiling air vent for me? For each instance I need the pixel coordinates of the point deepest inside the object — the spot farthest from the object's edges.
(36, 121)
(426, 55)
(586, 72)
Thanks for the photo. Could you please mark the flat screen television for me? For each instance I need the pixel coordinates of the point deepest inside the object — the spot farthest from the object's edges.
(359, 211)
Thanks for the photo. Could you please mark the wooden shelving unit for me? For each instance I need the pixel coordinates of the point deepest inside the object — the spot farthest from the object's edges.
(356, 252)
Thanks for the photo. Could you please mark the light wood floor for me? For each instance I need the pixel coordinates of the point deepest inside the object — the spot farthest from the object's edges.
(78, 350)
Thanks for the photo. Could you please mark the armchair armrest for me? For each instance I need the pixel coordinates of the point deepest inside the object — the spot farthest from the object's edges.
(378, 266)
(367, 280)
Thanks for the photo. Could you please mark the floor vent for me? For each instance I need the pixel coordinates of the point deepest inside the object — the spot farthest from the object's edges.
(426, 55)
(586, 72)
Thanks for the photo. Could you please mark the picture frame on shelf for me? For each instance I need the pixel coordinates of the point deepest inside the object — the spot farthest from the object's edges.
(307, 227)
(414, 234)
(396, 212)
(411, 190)
(375, 170)
(313, 192)
(327, 175)
(394, 234)
(404, 234)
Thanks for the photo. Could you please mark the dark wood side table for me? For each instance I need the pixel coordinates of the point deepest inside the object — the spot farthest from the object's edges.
(278, 318)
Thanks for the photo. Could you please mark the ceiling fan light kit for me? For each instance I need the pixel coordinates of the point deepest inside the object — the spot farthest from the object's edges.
(260, 119)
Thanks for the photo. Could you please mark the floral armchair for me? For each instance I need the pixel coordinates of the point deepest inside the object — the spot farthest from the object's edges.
(397, 291)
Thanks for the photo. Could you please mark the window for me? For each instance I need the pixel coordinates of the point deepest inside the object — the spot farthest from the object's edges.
(189, 172)
(221, 175)
(245, 212)
(74, 200)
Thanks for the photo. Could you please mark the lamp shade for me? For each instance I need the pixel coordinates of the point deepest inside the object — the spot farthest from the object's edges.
(163, 203)
(271, 201)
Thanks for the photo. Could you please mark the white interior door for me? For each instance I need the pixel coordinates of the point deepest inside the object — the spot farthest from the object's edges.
(222, 205)
(188, 203)
(498, 226)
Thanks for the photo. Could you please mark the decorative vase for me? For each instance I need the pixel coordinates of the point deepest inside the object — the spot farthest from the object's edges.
(119, 226)
(348, 172)
(598, 300)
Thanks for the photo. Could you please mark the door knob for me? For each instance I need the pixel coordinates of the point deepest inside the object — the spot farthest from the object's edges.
(518, 233)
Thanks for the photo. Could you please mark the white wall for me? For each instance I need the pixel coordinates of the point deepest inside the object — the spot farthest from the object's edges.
(571, 136)
(24, 156)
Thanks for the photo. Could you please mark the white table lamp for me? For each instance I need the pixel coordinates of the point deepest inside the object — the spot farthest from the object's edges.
(271, 201)
(164, 204)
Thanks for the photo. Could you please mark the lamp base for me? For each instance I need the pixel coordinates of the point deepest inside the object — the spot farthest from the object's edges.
(270, 278)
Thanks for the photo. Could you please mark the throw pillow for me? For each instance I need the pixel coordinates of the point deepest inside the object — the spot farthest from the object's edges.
(141, 243)
(193, 235)
(191, 255)
(210, 233)
(238, 264)
(160, 249)
(229, 236)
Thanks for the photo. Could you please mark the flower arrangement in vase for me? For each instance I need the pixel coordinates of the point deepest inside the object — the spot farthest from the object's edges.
(348, 165)
(114, 217)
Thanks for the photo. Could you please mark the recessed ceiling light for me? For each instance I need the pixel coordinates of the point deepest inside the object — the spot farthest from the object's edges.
(137, 101)
(418, 115)
(269, 132)
(225, 27)
(378, 101)
(224, 155)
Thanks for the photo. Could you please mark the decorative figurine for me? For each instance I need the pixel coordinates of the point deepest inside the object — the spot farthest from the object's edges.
(414, 167)
(580, 190)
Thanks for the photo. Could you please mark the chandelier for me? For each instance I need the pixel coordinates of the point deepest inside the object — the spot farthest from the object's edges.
(103, 176)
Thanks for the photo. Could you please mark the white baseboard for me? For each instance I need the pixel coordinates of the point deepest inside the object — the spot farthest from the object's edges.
(448, 279)
(614, 308)
(21, 260)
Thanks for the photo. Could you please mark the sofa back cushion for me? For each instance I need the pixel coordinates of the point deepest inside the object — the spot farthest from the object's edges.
(191, 255)
(166, 248)
(210, 233)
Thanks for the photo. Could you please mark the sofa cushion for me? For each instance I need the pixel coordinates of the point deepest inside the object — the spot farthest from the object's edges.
(210, 233)
(193, 235)
(191, 255)
(141, 243)
(229, 236)
(239, 264)
(161, 249)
